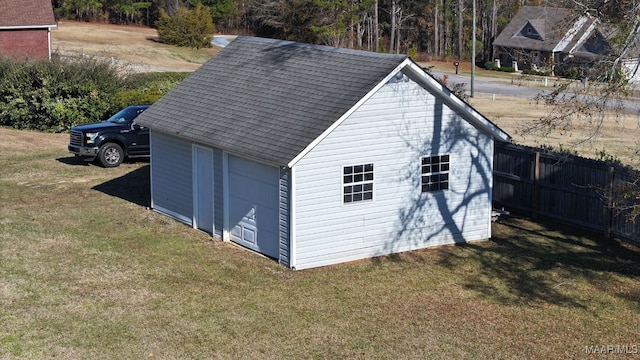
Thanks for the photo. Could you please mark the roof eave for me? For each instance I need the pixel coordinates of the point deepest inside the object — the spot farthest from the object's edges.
(462, 107)
(23, 27)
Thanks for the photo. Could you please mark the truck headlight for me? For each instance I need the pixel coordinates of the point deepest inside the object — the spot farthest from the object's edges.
(90, 137)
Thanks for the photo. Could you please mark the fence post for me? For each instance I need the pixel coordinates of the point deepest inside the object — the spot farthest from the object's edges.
(609, 204)
(535, 190)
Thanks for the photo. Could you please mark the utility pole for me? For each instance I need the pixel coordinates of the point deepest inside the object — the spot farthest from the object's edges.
(473, 46)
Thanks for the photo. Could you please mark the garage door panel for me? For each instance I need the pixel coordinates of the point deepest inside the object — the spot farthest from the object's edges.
(253, 202)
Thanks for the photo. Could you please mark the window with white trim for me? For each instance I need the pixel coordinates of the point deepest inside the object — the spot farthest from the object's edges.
(435, 173)
(357, 183)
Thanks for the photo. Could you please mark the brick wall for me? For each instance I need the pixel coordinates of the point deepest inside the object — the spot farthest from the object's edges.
(28, 43)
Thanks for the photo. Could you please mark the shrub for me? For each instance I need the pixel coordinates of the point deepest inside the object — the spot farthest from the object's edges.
(147, 88)
(507, 69)
(162, 81)
(490, 65)
(536, 72)
(188, 28)
(55, 96)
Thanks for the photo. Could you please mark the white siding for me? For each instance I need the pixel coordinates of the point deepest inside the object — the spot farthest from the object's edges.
(393, 130)
(631, 69)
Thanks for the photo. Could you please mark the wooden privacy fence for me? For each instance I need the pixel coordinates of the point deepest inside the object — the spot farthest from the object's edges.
(566, 188)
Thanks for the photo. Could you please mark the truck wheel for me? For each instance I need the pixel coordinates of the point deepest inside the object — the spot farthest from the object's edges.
(110, 155)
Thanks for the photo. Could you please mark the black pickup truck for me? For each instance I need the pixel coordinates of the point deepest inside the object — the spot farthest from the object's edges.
(112, 140)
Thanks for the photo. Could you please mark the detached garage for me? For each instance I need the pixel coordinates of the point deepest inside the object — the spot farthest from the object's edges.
(314, 155)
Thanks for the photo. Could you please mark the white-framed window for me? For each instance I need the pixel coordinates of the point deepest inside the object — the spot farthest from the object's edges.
(435, 173)
(357, 183)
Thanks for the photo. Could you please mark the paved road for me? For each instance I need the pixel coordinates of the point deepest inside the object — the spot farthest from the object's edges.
(504, 87)
(496, 86)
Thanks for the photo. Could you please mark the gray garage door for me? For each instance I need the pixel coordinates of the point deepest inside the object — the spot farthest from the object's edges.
(253, 205)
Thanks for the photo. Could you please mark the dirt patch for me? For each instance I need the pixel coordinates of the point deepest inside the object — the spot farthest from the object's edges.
(12, 140)
(135, 45)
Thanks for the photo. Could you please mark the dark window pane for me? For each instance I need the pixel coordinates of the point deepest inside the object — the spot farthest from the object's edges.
(445, 186)
(425, 161)
(444, 167)
(445, 158)
(435, 168)
(359, 177)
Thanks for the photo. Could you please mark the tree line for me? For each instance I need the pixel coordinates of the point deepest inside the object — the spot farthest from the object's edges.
(440, 28)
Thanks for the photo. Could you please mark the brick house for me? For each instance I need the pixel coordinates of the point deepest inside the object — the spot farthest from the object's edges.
(25, 29)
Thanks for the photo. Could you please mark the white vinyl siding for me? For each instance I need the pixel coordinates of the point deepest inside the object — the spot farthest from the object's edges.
(171, 176)
(394, 129)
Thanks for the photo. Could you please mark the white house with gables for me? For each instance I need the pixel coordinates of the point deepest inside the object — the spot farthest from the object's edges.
(314, 155)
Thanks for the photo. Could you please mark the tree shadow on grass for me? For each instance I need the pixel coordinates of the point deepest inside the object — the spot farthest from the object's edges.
(539, 263)
(133, 187)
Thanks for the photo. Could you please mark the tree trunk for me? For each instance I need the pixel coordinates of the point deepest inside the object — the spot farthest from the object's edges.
(376, 40)
(460, 27)
(392, 40)
(436, 30)
(398, 23)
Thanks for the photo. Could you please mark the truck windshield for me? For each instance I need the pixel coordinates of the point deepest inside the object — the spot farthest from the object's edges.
(126, 115)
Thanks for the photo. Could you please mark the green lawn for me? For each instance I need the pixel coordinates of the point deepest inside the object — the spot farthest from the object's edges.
(87, 271)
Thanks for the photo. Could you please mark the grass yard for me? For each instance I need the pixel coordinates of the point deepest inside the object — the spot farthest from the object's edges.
(87, 271)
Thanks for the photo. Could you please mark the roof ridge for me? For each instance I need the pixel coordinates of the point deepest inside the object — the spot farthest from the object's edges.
(320, 47)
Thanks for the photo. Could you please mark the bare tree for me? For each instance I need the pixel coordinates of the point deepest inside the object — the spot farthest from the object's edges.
(600, 88)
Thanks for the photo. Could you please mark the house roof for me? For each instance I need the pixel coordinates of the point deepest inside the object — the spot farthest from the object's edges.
(539, 28)
(271, 99)
(268, 98)
(26, 14)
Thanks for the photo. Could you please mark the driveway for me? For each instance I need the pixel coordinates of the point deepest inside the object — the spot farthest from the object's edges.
(222, 40)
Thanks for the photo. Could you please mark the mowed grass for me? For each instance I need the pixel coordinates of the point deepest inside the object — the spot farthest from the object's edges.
(88, 271)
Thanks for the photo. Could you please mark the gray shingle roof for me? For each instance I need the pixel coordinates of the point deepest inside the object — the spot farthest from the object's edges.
(268, 99)
(32, 13)
(552, 25)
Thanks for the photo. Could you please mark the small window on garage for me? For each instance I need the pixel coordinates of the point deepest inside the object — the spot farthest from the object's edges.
(357, 183)
(435, 173)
